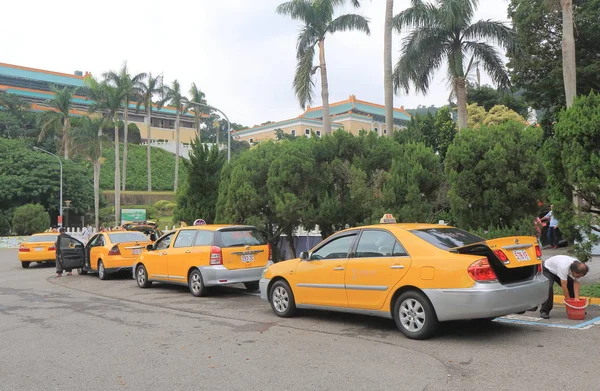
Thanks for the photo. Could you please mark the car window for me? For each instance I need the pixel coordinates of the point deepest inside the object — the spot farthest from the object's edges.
(42, 238)
(204, 238)
(164, 242)
(447, 238)
(335, 249)
(375, 243)
(96, 241)
(69, 242)
(242, 237)
(399, 251)
(130, 236)
(185, 238)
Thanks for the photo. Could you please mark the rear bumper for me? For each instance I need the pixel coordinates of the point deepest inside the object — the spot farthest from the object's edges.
(37, 256)
(220, 275)
(488, 300)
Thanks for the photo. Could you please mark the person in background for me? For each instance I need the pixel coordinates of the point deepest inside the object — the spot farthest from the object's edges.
(85, 234)
(565, 271)
(59, 265)
(552, 227)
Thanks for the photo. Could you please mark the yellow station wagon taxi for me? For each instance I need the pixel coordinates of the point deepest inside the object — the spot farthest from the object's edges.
(38, 248)
(203, 256)
(417, 274)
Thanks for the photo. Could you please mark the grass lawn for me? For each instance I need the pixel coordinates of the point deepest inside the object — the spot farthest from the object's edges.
(592, 290)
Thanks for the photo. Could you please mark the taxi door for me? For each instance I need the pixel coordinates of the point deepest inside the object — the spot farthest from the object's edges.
(377, 264)
(319, 280)
(180, 255)
(70, 252)
(96, 250)
(156, 260)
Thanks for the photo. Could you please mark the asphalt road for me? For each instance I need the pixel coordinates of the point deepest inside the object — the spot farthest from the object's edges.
(80, 333)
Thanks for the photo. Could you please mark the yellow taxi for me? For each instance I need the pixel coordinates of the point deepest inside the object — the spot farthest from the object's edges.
(38, 248)
(202, 256)
(106, 252)
(416, 274)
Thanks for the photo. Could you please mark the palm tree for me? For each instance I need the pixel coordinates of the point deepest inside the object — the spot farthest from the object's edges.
(107, 99)
(443, 32)
(62, 102)
(387, 67)
(88, 139)
(568, 50)
(131, 89)
(317, 19)
(153, 86)
(175, 97)
(197, 96)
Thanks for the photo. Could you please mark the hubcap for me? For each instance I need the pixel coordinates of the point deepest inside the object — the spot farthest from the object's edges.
(280, 299)
(412, 315)
(196, 282)
(141, 276)
(101, 269)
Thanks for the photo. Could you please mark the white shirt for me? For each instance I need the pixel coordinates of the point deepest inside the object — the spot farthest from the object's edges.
(559, 265)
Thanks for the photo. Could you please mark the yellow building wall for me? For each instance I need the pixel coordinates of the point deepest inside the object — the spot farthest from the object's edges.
(186, 135)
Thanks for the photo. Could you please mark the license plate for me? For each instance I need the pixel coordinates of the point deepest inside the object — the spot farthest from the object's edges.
(247, 257)
(521, 255)
(39, 249)
(136, 251)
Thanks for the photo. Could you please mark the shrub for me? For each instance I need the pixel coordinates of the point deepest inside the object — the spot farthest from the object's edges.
(30, 219)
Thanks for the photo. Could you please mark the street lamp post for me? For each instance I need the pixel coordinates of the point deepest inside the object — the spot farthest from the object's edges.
(187, 101)
(60, 208)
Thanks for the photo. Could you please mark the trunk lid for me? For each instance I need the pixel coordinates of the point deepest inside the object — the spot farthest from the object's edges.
(242, 247)
(132, 249)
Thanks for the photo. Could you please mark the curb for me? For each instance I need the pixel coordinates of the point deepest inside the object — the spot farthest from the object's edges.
(559, 299)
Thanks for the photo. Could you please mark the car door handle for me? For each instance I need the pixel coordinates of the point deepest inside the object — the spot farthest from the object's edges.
(164, 253)
(397, 267)
(338, 268)
(188, 251)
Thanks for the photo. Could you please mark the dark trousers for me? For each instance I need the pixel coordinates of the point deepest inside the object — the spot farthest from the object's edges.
(552, 238)
(547, 306)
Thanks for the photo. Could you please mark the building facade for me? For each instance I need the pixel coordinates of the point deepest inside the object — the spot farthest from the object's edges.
(33, 86)
(351, 115)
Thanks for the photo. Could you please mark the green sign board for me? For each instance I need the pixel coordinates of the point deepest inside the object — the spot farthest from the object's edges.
(130, 215)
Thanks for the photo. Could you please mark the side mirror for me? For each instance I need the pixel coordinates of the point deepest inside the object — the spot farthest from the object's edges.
(304, 256)
(150, 247)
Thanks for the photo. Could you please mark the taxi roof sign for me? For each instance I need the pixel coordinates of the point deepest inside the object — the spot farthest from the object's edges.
(387, 219)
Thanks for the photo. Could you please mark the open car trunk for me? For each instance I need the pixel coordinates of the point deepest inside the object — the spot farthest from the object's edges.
(519, 263)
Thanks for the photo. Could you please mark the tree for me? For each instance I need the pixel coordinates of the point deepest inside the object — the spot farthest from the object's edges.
(88, 139)
(387, 67)
(197, 96)
(16, 118)
(318, 22)
(130, 88)
(488, 97)
(568, 52)
(173, 94)
(30, 219)
(497, 115)
(443, 32)
(147, 90)
(164, 208)
(196, 199)
(61, 102)
(537, 66)
(572, 160)
(496, 175)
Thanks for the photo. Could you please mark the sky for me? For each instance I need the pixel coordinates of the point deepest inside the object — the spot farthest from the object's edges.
(240, 53)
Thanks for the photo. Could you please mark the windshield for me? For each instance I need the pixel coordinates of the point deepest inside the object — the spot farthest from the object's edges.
(447, 238)
(242, 237)
(132, 236)
(42, 238)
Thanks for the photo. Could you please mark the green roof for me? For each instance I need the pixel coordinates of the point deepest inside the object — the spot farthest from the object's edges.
(365, 108)
(41, 76)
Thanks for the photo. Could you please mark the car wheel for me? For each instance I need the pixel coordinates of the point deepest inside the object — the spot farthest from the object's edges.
(102, 271)
(81, 272)
(252, 286)
(415, 316)
(25, 265)
(141, 276)
(196, 284)
(282, 299)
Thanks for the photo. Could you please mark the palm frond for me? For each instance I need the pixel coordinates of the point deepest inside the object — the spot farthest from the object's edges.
(303, 83)
(491, 61)
(457, 13)
(297, 10)
(307, 37)
(490, 30)
(420, 14)
(349, 22)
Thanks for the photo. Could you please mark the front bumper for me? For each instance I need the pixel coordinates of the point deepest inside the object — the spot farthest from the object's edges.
(220, 275)
(264, 286)
(488, 300)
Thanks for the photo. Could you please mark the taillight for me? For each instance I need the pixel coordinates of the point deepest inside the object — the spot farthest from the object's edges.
(538, 252)
(216, 255)
(481, 271)
(270, 252)
(23, 249)
(114, 251)
(51, 248)
(501, 256)
(539, 268)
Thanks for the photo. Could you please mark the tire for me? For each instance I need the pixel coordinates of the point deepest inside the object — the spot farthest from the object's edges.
(196, 283)
(252, 286)
(81, 272)
(102, 271)
(414, 315)
(282, 299)
(141, 277)
(25, 265)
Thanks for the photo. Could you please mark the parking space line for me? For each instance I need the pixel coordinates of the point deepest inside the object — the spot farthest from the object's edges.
(581, 326)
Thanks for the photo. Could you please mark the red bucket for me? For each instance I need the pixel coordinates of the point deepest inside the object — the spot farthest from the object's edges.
(576, 308)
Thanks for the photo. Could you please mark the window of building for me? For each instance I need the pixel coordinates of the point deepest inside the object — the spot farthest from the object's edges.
(251, 140)
(375, 130)
(384, 131)
(318, 133)
(293, 132)
(307, 132)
